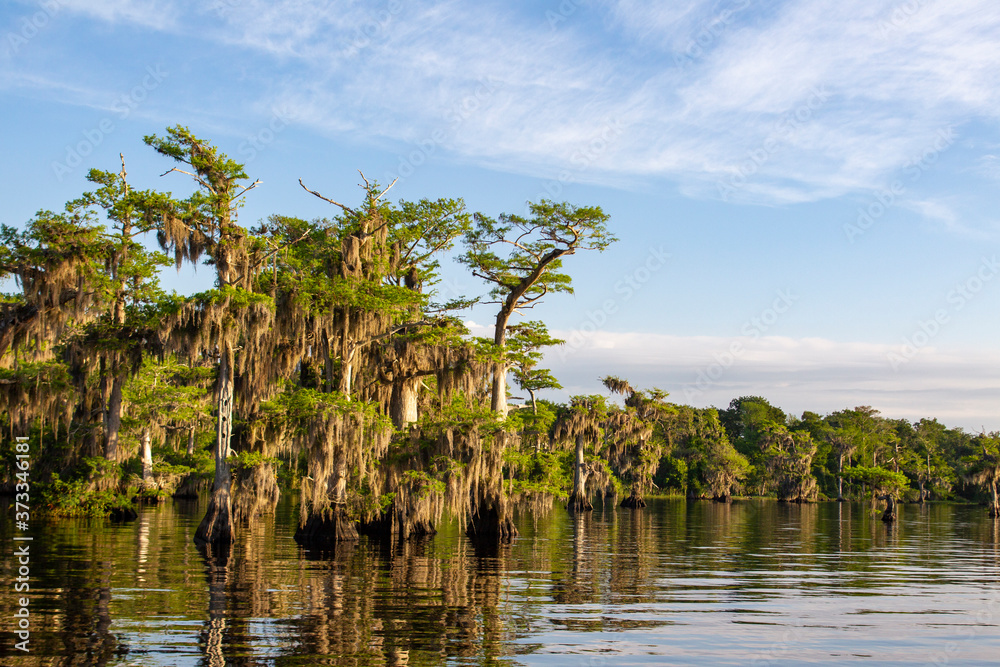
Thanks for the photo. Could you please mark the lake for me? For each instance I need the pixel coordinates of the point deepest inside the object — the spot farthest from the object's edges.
(677, 583)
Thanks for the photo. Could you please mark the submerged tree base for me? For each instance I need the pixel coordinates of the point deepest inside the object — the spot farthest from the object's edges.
(217, 526)
(325, 531)
(890, 510)
(634, 501)
(724, 498)
(192, 487)
(487, 525)
(123, 514)
(389, 527)
(579, 503)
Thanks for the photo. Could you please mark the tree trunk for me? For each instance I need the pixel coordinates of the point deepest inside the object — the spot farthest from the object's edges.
(113, 419)
(338, 483)
(995, 509)
(890, 509)
(534, 429)
(498, 398)
(578, 500)
(147, 457)
(217, 526)
(325, 530)
(840, 480)
(403, 402)
(190, 445)
(491, 521)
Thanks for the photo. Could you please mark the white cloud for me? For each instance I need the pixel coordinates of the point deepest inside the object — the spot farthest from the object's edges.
(885, 90)
(511, 91)
(958, 386)
(156, 14)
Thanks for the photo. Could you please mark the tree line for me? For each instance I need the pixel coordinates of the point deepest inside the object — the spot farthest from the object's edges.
(323, 358)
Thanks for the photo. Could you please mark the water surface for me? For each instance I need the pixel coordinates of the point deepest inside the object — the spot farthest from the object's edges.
(676, 583)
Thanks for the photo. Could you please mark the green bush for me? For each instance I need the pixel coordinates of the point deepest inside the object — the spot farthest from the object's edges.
(75, 499)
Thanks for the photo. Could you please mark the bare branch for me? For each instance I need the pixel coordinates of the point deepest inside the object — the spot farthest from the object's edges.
(387, 189)
(122, 174)
(194, 176)
(248, 188)
(348, 209)
(516, 244)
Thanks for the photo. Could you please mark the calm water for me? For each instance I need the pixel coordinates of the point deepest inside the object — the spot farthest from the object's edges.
(679, 582)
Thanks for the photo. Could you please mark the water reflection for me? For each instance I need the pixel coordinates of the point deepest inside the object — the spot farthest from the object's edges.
(677, 582)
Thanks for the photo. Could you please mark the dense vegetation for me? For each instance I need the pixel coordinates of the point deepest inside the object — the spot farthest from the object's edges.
(322, 360)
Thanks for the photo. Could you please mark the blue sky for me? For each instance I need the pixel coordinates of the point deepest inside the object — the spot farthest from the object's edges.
(805, 192)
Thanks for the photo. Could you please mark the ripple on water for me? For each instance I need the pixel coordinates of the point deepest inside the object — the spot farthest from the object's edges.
(676, 583)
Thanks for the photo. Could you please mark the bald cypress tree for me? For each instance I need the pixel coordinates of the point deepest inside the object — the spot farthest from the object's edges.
(227, 323)
(113, 346)
(521, 260)
(56, 264)
(582, 426)
(364, 335)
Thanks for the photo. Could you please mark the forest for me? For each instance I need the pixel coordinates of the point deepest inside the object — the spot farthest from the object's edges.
(323, 362)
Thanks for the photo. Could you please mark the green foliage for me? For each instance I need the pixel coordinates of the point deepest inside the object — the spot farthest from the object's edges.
(531, 244)
(549, 473)
(672, 473)
(245, 461)
(51, 373)
(232, 297)
(74, 498)
(459, 414)
(524, 344)
(880, 480)
(294, 405)
(425, 482)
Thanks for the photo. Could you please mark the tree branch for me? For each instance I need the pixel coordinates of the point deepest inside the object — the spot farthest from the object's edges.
(347, 209)
(194, 176)
(248, 189)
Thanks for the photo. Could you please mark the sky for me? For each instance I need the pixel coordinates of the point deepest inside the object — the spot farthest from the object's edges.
(805, 193)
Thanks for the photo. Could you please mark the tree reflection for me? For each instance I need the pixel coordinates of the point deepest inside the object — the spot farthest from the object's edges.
(400, 604)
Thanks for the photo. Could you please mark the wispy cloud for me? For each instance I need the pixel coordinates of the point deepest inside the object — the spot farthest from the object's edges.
(891, 77)
(890, 86)
(156, 14)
